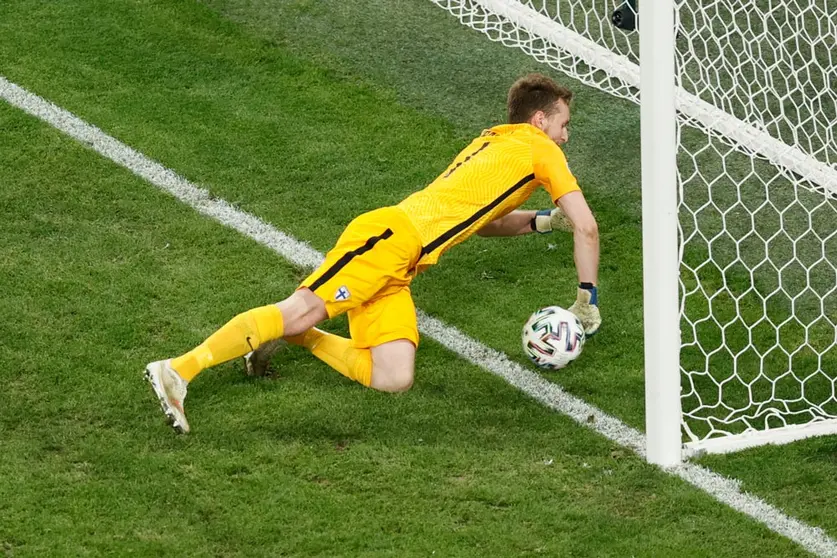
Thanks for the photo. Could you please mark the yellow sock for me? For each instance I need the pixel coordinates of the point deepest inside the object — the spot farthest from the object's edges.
(338, 353)
(236, 338)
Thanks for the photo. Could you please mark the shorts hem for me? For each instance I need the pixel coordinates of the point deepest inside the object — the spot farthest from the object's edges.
(410, 336)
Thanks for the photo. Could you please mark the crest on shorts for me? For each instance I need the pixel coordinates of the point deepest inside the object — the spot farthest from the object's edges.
(342, 294)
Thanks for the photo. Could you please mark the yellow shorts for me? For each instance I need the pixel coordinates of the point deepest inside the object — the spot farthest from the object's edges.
(368, 273)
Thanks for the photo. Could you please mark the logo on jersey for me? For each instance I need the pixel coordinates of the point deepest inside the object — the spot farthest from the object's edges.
(342, 294)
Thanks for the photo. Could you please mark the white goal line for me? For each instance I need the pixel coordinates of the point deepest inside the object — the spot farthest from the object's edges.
(725, 490)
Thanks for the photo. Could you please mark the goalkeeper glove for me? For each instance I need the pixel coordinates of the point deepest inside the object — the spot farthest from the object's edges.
(547, 220)
(587, 309)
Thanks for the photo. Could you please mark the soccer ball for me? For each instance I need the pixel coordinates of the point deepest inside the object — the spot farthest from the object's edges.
(553, 337)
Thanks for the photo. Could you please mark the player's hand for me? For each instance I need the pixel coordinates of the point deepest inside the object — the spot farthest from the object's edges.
(548, 220)
(587, 309)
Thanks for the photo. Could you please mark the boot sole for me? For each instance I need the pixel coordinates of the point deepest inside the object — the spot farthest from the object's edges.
(171, 416)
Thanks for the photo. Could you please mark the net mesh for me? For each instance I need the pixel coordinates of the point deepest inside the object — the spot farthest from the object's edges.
(757, 114)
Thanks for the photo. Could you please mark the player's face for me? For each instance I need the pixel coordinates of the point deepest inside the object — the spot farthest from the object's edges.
(556, 125)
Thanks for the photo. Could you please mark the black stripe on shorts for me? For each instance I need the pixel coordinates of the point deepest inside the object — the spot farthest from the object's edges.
(347, 257)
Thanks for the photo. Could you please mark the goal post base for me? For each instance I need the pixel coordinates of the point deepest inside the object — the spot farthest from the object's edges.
(751, 439)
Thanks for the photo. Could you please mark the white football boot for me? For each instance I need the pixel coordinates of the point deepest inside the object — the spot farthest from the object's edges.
(256, 362)
(171, 391)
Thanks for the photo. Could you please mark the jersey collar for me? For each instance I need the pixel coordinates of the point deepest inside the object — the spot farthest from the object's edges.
(505, 129)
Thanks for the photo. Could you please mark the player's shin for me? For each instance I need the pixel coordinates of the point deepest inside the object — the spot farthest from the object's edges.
(339, 353)
(236, 338)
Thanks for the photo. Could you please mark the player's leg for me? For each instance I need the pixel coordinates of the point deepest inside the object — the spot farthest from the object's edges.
(393, 366)
(386, 367)
(382, 349)
(339, 353)
(248, 330)
(169, 378)
(389, 327)
(369, 256)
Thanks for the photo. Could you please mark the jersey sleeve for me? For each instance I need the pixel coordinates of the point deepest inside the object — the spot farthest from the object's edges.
(551, 169)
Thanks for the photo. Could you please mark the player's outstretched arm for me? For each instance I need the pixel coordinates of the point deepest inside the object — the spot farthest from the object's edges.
(586, 251)
(522, 221)
(515, 223)
(586, 236)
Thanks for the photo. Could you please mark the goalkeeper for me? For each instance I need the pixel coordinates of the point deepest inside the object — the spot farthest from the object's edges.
(368, 272)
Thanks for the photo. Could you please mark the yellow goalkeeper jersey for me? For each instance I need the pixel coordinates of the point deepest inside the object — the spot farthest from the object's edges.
(491, 177)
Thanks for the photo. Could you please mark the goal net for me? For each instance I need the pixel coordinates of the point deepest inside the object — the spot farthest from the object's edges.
(756, 98)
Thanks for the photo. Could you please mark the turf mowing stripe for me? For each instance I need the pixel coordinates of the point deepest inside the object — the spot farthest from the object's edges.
(301, 254)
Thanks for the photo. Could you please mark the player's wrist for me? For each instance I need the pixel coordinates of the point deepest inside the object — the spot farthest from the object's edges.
(591, 293)
(542, 221)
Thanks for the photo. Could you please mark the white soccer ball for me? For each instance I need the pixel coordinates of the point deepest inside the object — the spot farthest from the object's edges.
(553, 337)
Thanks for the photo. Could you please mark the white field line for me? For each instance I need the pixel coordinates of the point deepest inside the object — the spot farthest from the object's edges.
(724, 489)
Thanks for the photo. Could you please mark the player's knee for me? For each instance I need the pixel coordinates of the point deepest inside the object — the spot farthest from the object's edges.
(404, 380)
(393, 365)
(393, 379)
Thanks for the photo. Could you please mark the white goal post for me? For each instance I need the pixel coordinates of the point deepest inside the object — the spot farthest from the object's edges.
(739, 121)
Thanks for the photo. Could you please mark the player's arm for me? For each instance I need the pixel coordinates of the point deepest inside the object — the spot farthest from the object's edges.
(551, 169)
(586, 253)
(585, 236)
(523, 221)
(515, 223)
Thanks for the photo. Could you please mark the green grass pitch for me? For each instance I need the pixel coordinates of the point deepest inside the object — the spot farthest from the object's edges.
(306, 113)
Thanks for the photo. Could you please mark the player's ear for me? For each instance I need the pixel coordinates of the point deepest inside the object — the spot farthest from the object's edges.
(537, 119)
